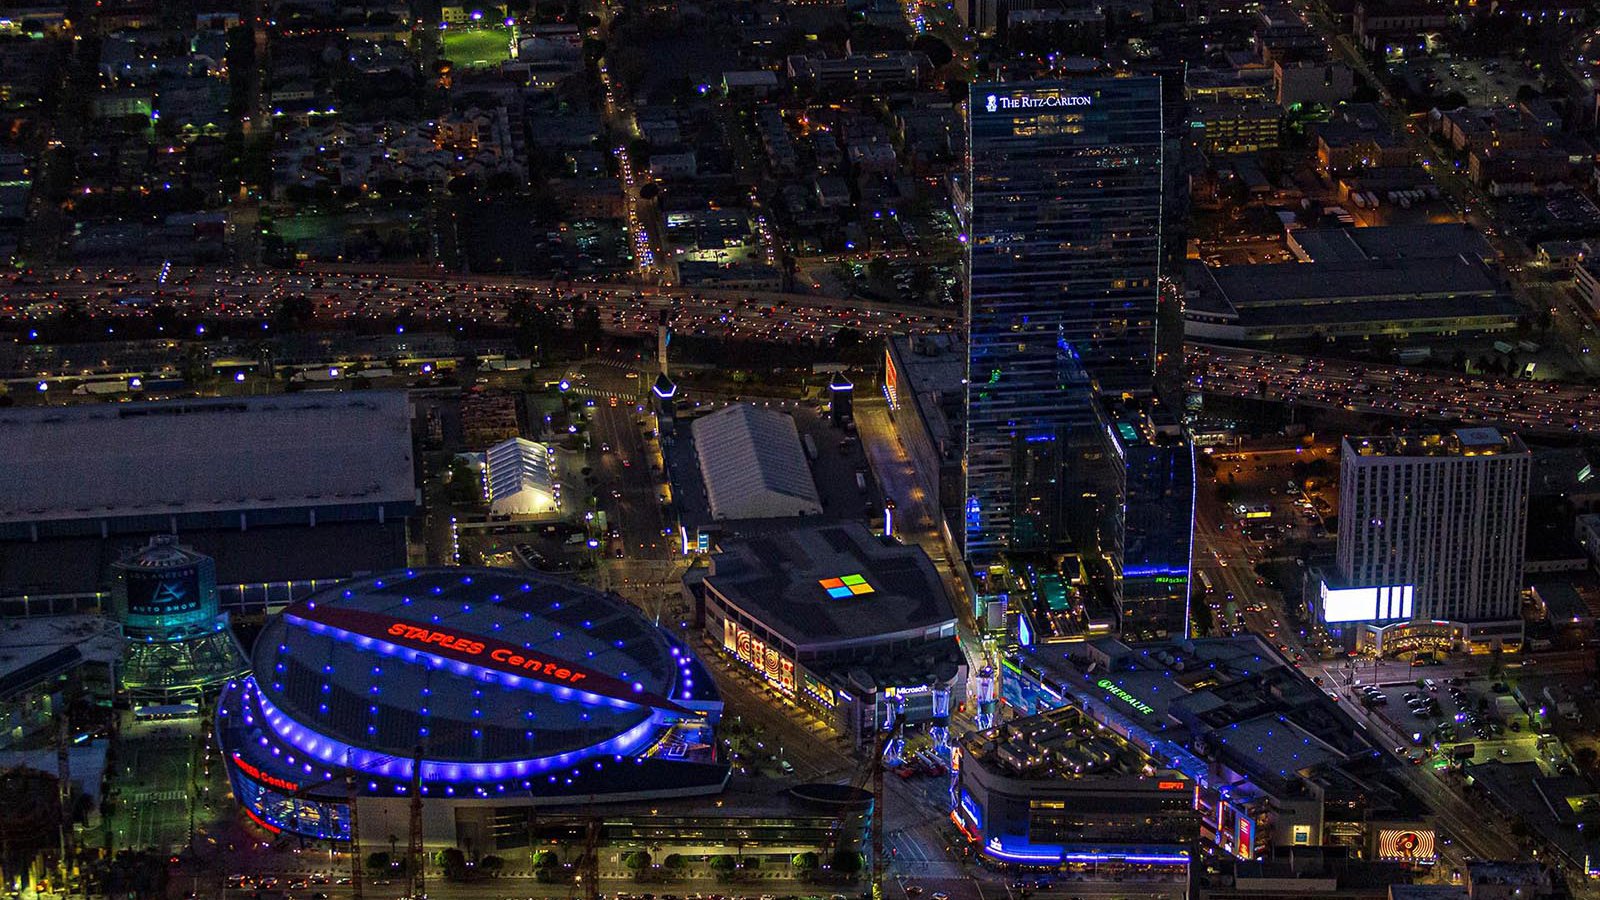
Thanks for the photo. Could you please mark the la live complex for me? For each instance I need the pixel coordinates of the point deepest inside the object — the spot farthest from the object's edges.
(641, 581)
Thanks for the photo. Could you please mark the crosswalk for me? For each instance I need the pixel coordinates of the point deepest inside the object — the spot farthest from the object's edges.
(158, 796)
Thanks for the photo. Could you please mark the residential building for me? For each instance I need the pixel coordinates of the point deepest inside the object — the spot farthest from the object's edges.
(1431, 531)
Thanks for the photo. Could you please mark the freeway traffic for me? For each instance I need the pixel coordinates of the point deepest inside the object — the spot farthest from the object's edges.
(350, 298)
(1531, 406)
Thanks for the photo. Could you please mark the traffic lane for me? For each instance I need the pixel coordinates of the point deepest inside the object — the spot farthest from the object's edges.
(816, 751)
(1465, 821)
(629, 487)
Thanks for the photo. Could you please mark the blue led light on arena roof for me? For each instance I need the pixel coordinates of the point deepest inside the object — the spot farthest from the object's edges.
(387, 762)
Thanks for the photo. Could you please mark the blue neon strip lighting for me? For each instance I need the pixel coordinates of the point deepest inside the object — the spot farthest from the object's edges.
(1047, 854)
(327, 750)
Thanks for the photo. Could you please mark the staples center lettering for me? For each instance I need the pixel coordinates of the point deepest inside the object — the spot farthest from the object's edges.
(480, 650)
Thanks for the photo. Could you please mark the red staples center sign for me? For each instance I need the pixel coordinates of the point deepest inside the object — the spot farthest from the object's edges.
(482, 651)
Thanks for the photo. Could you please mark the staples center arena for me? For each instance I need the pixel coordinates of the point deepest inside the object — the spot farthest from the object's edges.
(510, 690)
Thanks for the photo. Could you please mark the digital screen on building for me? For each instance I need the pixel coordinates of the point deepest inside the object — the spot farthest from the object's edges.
(1406, 845)
(1246, 846)
(1366, 604)
(756, 653)
(1019, 692)
(891, 381)
(172, 591)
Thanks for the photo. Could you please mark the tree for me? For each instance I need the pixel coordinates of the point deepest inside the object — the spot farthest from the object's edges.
(294, 313)
(378, 863)
(674, 861)
(491, 864)
(847, 861)
(637, 861)
(939, 53)
(453, 862)
(805, 862)
(587, 328)
(545, 859)
(722, 864)
(534, 325)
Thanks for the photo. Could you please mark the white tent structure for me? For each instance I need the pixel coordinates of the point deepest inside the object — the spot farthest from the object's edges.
(520, 476)
(753, 465)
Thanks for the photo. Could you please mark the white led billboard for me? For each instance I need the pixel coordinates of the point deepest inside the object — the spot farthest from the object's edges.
(1366, 604)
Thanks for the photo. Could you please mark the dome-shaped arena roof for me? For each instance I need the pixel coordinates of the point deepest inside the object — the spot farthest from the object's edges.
(473, 666)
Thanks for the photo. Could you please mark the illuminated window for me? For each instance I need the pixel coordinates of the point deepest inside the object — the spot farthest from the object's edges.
(847, 586)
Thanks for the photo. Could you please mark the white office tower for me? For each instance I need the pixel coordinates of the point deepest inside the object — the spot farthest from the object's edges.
(1431, 535)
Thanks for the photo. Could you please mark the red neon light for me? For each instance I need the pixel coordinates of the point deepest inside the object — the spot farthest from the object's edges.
(262, 777)
(260, 821)
(1172, 785)
(481, 651)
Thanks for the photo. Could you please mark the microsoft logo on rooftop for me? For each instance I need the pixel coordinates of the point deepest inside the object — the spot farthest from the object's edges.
(848, 586)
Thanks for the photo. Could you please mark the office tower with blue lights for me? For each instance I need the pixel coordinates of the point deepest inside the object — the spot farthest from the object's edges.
(1064, 252)
(1154, 522)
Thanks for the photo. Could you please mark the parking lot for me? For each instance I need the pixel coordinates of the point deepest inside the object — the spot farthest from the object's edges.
(1483, 82)
(1473, 721)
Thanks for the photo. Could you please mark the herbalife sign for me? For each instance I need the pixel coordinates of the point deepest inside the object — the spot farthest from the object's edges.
(997, 103)
(1110, 687)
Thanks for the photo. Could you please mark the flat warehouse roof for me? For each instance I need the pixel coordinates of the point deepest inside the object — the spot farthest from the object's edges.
(186, 456)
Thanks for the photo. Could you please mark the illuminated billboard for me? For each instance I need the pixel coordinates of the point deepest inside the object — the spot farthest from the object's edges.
(1366, 604)
(1406, 845)
(764, 658)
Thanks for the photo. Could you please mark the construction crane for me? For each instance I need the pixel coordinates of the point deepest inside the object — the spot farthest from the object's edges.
(589, 864)
(871, 772)
(876, 763)
(64, 797)
(414, 861)
(351, 794)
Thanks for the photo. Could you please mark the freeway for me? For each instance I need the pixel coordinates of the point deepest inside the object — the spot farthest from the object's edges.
(1530, 406)
(347, 297)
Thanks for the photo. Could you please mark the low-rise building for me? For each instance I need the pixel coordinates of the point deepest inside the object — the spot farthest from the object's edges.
(1237, 127)
(1260, 753)
(925, 382)
(853, 627)
(859, 72)
(1308, 82)
(1345, 298)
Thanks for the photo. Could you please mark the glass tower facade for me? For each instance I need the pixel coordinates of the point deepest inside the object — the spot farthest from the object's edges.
(1064, 250)
(1156, 534)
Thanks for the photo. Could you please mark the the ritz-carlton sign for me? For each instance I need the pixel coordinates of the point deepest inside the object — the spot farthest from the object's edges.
(996, 103)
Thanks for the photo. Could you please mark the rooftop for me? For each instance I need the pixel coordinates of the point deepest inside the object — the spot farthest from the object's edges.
(1326, 245)
(1461, 442)
(833, 586)
(752, 464)
(32, 649)
(1061, 743)
(213, 455)
(338, 664)
(1346, 281)
(1218, 700)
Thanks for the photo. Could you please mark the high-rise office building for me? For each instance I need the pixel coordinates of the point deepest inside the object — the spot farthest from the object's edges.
(1155, 540)
(1064, 250)
(1431, 530)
